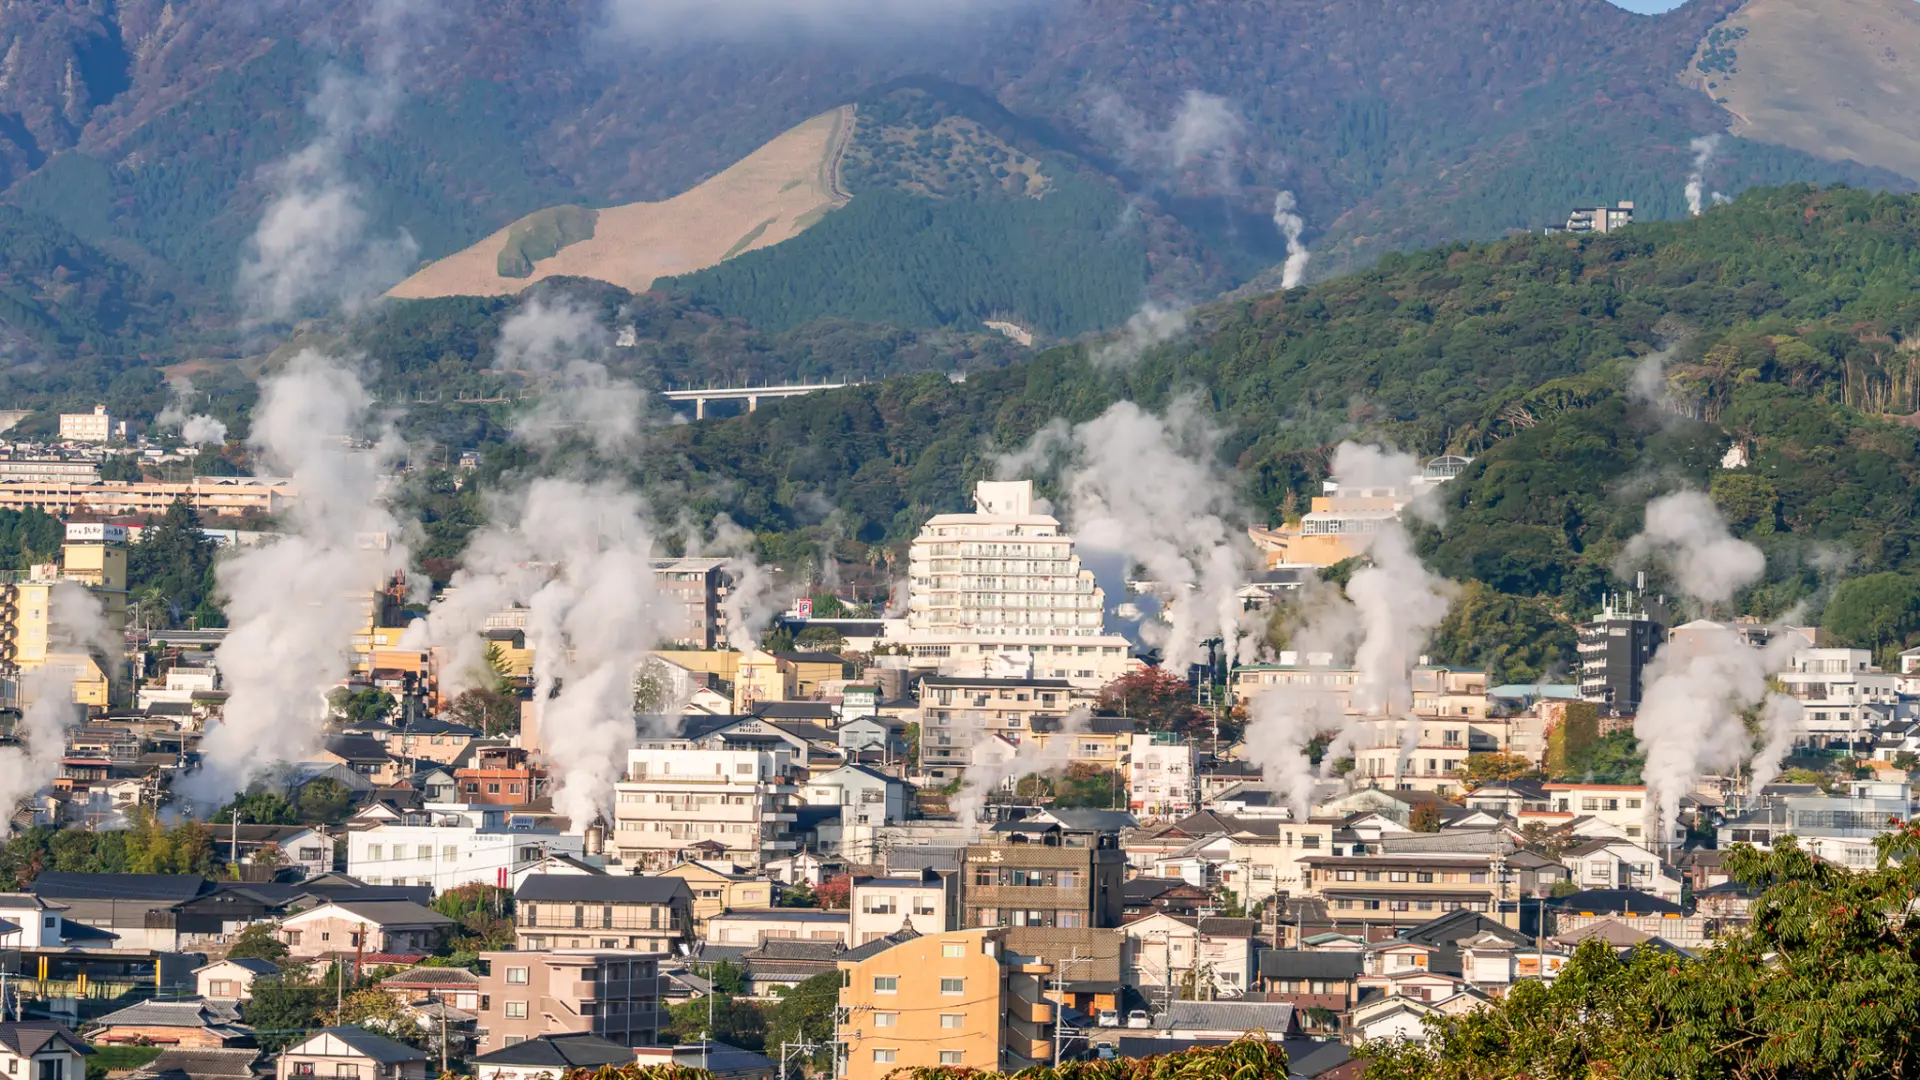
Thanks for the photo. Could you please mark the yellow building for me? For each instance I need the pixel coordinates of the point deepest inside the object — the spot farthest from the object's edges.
(720, 887)
(759, 678)
(958, 998)
(94, 556)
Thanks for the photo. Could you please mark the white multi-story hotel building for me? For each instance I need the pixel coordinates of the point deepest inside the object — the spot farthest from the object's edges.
(1832, 685)
(738, 802)
(1002, 588)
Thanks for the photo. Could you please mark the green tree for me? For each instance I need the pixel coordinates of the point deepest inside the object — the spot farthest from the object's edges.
(259, 941)
(1823, 981)
(258, 808)
(284, 1007)
(1425, 818)
(324, 801)
(805, 1013)
(735, 1021)
(367, 705)
(1877, 611)
(1490, 766)
(487, 709)
(1615, 758)
(173, 562)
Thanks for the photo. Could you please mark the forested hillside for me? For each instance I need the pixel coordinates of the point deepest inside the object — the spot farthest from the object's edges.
(1786, 322)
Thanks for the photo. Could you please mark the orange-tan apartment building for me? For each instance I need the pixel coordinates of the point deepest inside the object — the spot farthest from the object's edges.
(956, 999)
(612, 993)
(222, 496)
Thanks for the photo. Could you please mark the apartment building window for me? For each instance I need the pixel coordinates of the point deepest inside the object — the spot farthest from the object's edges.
(877, 905)
(1373, 875)
(886, 984)
(886, 1019)
(516, 1010)
(1633, 804)
(606, 917)
(1070, 879)
(527, 914)
(1396, 875)
(516, 976)
(922, 905)
(449, 853)
(300, 1068)
(953, 949)
(953, 986)
(345, 1069)
(1309, 842)
(950, 1057)
(1070, 918)
(579, 916)
(423, 851)
(882, 1057)
(1423, 876)
(1345, 875)
(374, 851)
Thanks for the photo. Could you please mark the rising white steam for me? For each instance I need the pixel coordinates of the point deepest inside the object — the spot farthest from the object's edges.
(314, 245)
(558, 346)
(294, 604)
(1689, 722)
(1389, 613)
(1287, 219)
(1697, 198)
(1149, 491)
(1685, 533)
(753, 600)
(196, 429)
(577, 554)
(1202, 137)
(1150, 326)
(78, 629)
(991, 767)
(1782, 721)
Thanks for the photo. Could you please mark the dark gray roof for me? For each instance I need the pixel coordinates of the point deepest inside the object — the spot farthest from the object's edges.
(560, 1052)
(378, 1047)
(811, 657)
(196, 1013)
(1274, 1018)
(601, 889)
(1616, 902)
(796, 710)
(882, 944)
(357, 748)
(229, 1063)
(432, 976)
(24, 1039)
(1302, 964)
(164, 888)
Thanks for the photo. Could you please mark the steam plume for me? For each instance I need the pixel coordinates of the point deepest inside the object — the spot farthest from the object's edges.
(986, 773)
(77, 626)
(1150, 326)
(313, 244)
(1388, 615)
(1689, 719)
(752, 600)
(1703, 148)
(1685, 532)
(295, 603)
(577, 553)
(1149, 491)
(1782, 719)
(195, 428)
(1203, 135)
(1287, 219)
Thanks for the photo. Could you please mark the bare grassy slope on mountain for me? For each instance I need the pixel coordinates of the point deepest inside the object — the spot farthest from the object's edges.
(1836, 78)
(771, 195)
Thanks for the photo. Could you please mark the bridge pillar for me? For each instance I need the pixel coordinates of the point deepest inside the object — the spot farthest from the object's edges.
(699, 408)
(753, 402)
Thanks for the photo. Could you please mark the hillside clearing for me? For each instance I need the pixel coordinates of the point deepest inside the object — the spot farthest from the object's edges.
(768, 196)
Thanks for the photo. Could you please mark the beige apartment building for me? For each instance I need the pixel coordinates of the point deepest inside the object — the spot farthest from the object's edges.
(699, 588)
(957, 713)
(614, 994)
(1406, 889)
(95, 426)
(221, 496)
(1003, 582)
(735, 805)
(94, 556)
(718, 887)
(957, 998)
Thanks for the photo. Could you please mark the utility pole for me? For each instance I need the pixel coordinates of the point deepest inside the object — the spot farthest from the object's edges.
(443, 1038)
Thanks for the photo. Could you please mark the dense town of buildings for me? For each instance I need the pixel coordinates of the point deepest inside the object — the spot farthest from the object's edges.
(858, 815)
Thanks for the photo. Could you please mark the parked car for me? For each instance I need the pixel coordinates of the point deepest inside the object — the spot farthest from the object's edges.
(1108, 1018)
(1138, 1018)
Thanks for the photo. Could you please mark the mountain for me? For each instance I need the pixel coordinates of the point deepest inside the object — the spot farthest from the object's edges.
(1836, 79)
(149, 128)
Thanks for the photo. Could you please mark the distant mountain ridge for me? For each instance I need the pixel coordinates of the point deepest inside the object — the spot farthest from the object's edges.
(143, 126)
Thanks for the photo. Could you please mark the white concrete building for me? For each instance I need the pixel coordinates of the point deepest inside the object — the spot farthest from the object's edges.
(446, 844)
(1164, 952)
(878, 906)
(1004, 581)
(738, 803)
(95, 426)
(1160, 776)
(1832, 684)
(865, 796)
